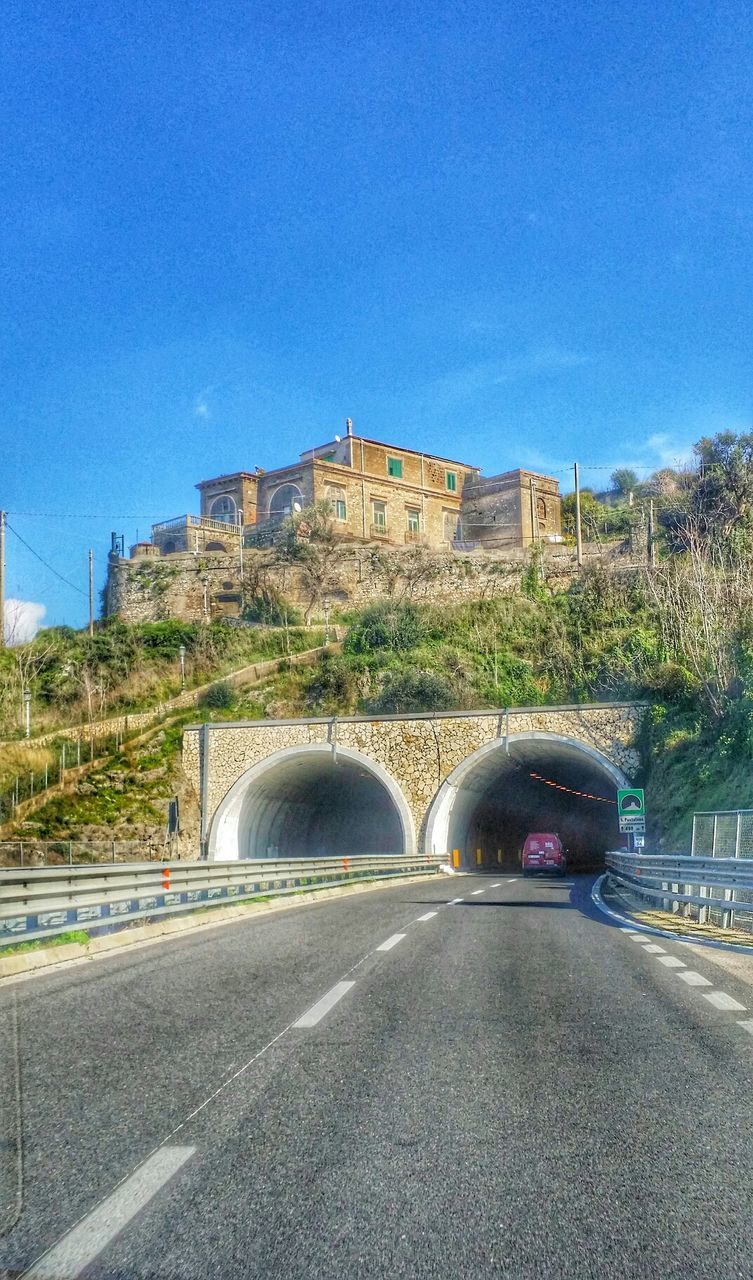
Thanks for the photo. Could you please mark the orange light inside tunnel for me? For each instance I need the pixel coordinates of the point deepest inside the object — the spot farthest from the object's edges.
(584, 795)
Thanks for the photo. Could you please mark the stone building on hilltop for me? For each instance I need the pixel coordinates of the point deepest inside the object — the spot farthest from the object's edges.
(376, 492)
(379, 496)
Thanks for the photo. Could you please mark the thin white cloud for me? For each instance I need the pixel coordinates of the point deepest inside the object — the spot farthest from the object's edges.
(23, 619)
(201, 407)
(669, 451)
(463, 383)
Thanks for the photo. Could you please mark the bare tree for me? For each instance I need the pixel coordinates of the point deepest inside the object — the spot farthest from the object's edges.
(703, 600)
(311, 544)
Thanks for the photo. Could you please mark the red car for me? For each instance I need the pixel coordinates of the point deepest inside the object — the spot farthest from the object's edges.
(543, 851)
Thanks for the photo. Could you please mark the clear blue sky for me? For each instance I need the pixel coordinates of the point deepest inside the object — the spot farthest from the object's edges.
(515, 233)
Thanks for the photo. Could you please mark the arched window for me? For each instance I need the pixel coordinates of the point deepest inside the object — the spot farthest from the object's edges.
(336, 500)
(224, 509)
(168, 547)
(215, 546)
(541, 510)
(287, 499)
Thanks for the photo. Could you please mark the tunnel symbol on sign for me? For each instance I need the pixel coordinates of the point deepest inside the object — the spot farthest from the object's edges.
(631, 801)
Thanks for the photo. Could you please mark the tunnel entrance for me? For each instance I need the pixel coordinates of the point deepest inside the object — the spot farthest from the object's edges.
(529, 782)
(312, 802)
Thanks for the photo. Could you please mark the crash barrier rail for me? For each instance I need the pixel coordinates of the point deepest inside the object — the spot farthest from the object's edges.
(726, 833)
(42, 902)
(709, 890)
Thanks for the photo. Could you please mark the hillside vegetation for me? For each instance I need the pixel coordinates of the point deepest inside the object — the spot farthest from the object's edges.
(678, 633)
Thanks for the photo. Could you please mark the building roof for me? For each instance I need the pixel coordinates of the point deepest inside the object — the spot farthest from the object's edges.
(399, 448)
(232, 475)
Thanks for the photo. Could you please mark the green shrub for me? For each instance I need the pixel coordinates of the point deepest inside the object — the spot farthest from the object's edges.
(387, 625)
(220, 696)
(408, 691)
(673, 683)
(330, 685)
(271, 610)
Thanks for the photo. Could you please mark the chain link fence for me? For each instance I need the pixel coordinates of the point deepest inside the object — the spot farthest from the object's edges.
(727, 833)
(66, 756)
(70, 853)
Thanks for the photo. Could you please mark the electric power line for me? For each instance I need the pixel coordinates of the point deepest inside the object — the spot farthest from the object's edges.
(41, 560)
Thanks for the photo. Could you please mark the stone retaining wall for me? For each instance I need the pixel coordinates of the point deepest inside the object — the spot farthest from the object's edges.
(418, 752)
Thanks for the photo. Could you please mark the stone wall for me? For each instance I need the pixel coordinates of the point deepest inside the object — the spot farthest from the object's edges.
(174, 586)
(418, 752)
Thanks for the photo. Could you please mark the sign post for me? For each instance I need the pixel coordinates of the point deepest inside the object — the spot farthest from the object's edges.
(631, 812)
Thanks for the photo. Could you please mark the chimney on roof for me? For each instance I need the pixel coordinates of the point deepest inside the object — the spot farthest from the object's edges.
(349, 426)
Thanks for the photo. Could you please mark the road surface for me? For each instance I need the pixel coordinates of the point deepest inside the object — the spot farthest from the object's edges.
(385, 1085)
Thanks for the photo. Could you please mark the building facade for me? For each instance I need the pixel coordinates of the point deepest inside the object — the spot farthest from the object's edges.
(376, 492)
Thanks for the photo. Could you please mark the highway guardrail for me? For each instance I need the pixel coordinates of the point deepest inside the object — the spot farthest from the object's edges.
(43, 901)
(709, 890)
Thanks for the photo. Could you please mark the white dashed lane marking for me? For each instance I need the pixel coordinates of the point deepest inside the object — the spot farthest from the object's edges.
(653, 950)
(389, 943)
(498, 885)
(721, 1000)
(429, 915)
(476, 892)
(81, 1246)
(694, 979)
(746, 1024)
(454, 902)
(671, 962)
(318, 1010)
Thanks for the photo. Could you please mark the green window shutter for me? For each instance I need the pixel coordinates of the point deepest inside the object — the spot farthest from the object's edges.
(395, 467)
(452, 481)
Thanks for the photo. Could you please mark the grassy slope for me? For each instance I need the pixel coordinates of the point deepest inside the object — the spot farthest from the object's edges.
(596, 642)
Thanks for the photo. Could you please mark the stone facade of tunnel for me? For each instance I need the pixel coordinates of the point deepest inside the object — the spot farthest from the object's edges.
(419, 752)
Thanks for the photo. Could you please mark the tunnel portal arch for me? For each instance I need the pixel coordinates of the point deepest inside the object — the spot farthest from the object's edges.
(493, 798)
(311, 800)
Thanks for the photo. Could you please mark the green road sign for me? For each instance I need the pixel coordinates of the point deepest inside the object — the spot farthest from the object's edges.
(631, 803)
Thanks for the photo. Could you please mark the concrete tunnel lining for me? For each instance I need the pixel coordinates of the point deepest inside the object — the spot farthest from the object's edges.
(491, 802)
(312, 801)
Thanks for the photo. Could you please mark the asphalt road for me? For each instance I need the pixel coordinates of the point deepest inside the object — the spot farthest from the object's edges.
(511, 1086)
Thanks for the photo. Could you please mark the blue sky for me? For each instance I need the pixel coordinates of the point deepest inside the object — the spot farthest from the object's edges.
(517, 234)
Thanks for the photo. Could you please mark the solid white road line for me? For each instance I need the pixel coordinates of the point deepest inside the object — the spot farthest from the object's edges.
(389, 943)
(694, 979)
(79, 1248)
(476, 892)
(746, 1024)
(721, 1000)
(671, 962)
(318, 1010)
(428, 916)
(652, 948)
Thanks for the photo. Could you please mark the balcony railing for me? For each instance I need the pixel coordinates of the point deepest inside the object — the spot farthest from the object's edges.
(379, 530)
(195, 522)
(414, 535)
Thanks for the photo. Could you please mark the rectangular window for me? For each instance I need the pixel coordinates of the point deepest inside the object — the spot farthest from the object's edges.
(341, 511)
(452, 481)
(379, 515)
(395, 467)
(414, 519)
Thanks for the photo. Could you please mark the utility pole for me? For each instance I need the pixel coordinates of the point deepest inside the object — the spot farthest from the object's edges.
(578, 538)
(91, 592)
(240, 537)
(2, 579)
(651, 531)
